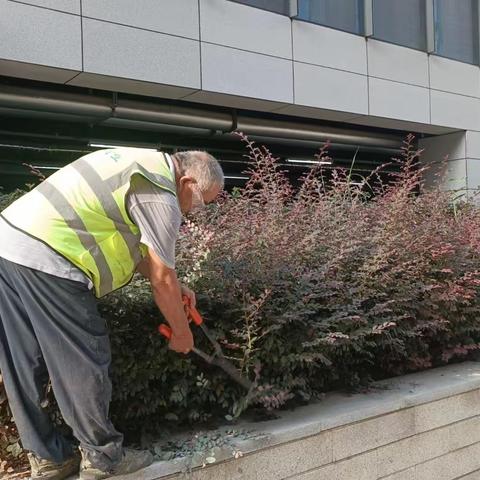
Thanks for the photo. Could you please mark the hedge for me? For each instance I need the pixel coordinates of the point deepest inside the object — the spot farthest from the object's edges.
(327, 286)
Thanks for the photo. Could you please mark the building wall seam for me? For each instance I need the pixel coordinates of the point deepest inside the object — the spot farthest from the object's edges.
(200, 40)
(138, 28)
(429, 90)
(81, 37)
(46, 8)
(293, 62)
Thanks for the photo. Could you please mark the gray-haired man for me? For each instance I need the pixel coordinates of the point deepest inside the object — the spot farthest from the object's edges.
(80, 234)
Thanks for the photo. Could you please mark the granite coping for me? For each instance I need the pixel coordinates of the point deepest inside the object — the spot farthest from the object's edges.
(335, 410)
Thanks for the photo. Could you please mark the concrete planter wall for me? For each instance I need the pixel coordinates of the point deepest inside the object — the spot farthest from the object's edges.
(415, 427)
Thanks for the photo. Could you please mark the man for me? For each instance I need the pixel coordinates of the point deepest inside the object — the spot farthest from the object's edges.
(81, 234)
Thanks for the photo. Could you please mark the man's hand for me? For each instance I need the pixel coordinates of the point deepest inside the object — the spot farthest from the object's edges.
(190, 294)
(181, 343)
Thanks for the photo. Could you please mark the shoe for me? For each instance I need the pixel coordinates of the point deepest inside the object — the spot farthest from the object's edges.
(47, 470)
(132, 460)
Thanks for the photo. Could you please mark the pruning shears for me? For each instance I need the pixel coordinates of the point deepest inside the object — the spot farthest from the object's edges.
(218, 358)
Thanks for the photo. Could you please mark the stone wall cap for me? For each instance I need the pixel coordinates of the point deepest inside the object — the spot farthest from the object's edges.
(336, 410)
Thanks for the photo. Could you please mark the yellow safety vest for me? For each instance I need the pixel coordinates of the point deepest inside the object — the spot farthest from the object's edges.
(80, 212)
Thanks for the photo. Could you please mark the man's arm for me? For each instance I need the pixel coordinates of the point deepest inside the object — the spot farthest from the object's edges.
(168, 297)
(158, 217)
(142, 268)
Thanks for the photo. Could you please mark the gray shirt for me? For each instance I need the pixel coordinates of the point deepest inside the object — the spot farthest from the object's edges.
(156, 212)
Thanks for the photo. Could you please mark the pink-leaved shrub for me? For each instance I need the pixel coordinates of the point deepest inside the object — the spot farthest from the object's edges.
(335, 284)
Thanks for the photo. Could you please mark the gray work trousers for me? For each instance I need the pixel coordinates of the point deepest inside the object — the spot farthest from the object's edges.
(50, 327)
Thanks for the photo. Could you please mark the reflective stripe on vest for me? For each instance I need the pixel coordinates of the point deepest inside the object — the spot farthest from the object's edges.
(80, 211)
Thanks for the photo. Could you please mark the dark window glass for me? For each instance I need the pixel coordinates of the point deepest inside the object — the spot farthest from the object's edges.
(401, 22)
(341, 14)
(279, 6)
(456, 31)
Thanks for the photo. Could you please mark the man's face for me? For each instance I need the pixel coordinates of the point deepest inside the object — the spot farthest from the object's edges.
(191, 198)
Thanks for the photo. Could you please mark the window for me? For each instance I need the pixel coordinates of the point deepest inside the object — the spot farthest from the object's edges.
(456, 32)
(401, 22)
(278, 6)
(341, 14)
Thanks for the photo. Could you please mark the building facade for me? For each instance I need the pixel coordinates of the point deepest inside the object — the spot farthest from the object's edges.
(291, 73)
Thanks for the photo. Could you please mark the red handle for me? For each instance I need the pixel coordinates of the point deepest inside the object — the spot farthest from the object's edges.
(192, 314)
(165, 330)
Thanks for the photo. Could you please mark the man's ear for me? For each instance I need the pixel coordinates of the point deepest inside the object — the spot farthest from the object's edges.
(186, 180)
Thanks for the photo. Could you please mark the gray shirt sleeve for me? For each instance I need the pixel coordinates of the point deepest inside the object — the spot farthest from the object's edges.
(157, 214)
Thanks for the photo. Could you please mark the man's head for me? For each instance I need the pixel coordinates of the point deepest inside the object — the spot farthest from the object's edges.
(199, 179)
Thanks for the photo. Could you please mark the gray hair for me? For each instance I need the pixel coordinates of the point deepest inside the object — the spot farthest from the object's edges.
(201, 166)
